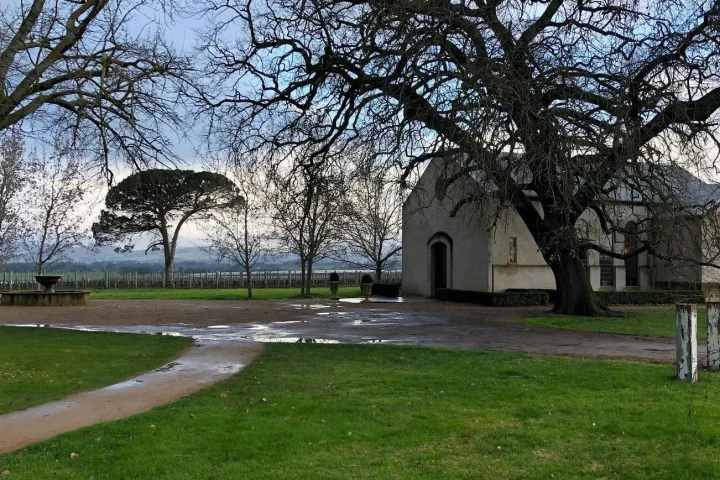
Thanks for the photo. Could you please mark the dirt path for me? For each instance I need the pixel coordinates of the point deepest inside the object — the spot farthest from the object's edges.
(418, 322)
(197, 368)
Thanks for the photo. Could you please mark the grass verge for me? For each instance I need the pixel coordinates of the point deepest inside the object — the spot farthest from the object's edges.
(650, 322)
(215, 294)
(357, 412)
(42, 364)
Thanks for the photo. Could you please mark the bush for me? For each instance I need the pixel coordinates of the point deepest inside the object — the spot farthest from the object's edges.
(366, 279)
(386, 289)
(650, 297)
(490, 299)
(334, 277)
(633, 297)
(552, 293)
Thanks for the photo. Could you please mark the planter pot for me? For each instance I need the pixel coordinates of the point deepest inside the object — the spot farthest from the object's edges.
(366, 290)
(334, 285)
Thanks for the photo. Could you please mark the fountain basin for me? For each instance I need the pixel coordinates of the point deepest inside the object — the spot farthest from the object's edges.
(59, 298)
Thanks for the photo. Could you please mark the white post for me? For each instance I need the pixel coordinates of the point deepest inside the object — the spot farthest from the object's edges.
(713, 341)
(686, 342)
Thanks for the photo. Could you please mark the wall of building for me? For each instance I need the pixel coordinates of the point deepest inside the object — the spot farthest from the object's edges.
(531, 271)
(424, 216)
(480, 257)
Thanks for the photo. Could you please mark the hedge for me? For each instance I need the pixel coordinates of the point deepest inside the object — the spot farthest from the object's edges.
(650, 297)
(552, 293)
(386, 289)
(490, 299)
(633, 297)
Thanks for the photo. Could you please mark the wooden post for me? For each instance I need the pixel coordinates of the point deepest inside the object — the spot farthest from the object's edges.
(713, 341)
(686, 342)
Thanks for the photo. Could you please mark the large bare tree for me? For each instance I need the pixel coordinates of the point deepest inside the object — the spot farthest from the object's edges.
(235, 234)
(55, 207)
(13, 178)
(372, 219)
(553, 107)
(81, 67)
(304, 197)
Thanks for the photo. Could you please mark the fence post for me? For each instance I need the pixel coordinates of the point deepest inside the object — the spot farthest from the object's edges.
(713, 341)
(686, 342)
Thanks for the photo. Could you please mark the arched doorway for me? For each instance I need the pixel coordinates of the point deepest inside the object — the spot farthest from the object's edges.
(632, 265)
(439, 262)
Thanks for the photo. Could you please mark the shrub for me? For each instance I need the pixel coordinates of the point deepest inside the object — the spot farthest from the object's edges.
(650, 297)
(552, 293)
(334, 277)
(634, 297)
(366, 279)
(386, 289)
(497, 299)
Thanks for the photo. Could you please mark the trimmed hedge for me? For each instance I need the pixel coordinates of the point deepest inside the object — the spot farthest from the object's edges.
(386, 289)
(650, 297)
(633, 297)
(490, 299)
(552, 293)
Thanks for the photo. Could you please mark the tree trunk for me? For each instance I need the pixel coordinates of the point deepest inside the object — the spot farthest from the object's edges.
(169, 267)
(378, 274)
(308, 283)
(575, 296)
(249, 280)
(302, 276)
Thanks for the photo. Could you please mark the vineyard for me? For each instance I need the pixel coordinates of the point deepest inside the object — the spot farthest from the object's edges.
(112, 280)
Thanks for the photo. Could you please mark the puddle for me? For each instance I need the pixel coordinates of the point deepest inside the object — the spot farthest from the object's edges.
(218, 326)
(373, 300)
(126, 384)
(263, 339)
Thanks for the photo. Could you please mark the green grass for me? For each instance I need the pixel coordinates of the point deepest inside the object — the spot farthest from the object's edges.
(215, 294)
(380, 412)
(651, 322)
(42, 364)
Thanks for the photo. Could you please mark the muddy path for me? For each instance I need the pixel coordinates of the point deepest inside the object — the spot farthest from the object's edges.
(417, 322)
(198, 367)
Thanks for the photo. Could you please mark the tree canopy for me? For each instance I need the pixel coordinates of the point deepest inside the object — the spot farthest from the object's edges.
(553, 106)
(159, 202)
(98, 70)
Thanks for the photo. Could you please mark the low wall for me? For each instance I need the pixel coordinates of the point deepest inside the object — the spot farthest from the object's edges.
(41, 299)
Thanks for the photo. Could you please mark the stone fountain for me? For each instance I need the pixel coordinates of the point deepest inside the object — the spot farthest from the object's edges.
(47, 297)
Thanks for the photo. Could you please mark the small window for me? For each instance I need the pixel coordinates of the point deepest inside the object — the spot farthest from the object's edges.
(512, 258)
(607, 271)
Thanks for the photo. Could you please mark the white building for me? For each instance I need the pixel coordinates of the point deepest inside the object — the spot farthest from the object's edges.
(440, 251)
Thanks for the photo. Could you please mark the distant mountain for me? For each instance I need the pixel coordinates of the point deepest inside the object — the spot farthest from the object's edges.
(186, 258)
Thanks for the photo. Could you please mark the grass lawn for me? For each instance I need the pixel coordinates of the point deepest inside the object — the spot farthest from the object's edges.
(358, 412)
(650, 322)
(215, 294)
(42, 364)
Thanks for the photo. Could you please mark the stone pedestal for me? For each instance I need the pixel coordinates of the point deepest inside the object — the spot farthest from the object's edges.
(686, 342)
(713, 341)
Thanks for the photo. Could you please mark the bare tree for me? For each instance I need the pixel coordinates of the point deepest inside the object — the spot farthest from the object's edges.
(13, 176)
(304, 199)
(74, 66)
(372, 220)
(553, 109)
(234, 234)
(55, 208)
